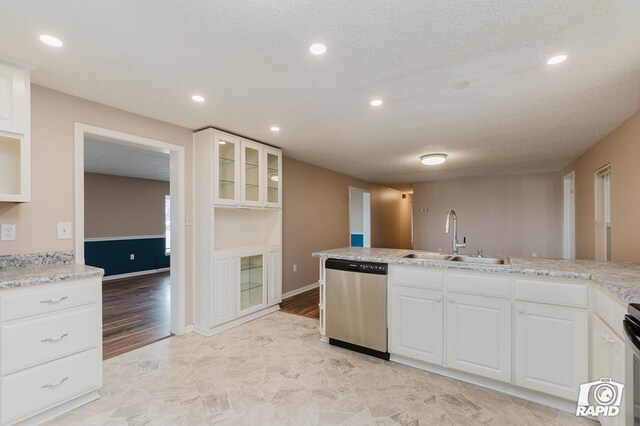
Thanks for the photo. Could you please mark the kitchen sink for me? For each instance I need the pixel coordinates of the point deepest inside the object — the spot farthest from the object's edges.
(428, 256)
(483, 260)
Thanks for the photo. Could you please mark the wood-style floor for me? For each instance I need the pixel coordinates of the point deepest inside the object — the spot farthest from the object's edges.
(135, 312)
(304, 304)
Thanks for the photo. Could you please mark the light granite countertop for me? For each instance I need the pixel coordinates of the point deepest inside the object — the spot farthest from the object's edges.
(620, 279)
(42, 268)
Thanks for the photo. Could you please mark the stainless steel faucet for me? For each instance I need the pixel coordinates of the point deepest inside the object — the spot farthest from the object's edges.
(455, 244)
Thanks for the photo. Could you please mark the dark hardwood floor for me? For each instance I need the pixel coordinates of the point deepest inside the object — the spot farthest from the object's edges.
(135, 312)
(304, 304)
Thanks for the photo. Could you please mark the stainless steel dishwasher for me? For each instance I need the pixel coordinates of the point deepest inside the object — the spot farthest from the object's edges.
(356, 303)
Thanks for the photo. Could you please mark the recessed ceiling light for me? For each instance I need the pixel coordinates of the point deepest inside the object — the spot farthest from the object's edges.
(558, 59)
(275, 128)
(433, 159)
(50, 40)
(318, 48)
(198, 98)
(376, 102)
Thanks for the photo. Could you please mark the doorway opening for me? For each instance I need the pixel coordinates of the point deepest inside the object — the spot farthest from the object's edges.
(129, 221)
(359, 217)
(602, 191)
(569, 217)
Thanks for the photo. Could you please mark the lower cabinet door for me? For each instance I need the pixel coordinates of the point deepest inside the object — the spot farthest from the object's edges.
(416, 324)
(551, 354)
(275, 276)
(224, 288)
(479, 335)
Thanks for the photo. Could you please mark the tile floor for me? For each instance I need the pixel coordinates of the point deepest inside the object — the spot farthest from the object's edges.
(275, 371)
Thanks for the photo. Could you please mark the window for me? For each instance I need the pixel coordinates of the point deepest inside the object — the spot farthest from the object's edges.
(603, 213)
(167, 224)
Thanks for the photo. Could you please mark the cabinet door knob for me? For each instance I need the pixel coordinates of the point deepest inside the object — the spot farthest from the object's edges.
(451, 299)
(520, 309)
(438, 298)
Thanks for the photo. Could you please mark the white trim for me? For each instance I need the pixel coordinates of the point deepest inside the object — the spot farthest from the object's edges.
(130, 237)
(569, 216)
(231, 324)
(300, 290)
(61, 409)
(189, 329)
(506, 388)
(135, 274)
(178, 199)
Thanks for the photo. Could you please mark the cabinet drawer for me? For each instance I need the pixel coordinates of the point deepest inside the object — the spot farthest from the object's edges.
(416, 277)
(31, 342)
(481, 284)
(555, 293)
(47, 385)
(609, 310)
(24, 302)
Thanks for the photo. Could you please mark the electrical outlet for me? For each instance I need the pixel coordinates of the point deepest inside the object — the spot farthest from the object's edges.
(64, 231)
(8, 232)
(132, 256)
(295, 267)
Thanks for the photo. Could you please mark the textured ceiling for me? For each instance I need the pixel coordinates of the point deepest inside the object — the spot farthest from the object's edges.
(121, 160)
(250, 60)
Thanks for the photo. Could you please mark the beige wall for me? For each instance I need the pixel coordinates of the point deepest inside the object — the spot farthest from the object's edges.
(316, 217)
(53, 115)
(621, 148)
(117, 206)
(504, 215)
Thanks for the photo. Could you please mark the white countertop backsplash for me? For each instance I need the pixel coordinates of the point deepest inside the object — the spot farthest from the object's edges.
(620, 279)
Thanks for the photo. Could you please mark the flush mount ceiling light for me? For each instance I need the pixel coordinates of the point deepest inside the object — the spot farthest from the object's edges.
(50, 40)
(433, 159)
(376, 102)
(198, 98)
(558, 59)
(318, 48)
(275, 128)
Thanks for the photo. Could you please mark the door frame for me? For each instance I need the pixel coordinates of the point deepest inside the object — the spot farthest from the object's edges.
(569, 216)
(178, 198)
(366, 215)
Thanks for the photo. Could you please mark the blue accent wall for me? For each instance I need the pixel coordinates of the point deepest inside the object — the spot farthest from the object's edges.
(113, 256)
(357, 240)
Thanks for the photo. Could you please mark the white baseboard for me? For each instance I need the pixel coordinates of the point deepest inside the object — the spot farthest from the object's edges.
(189, 329)
(59, 410)
(229, 325)
(300, 290)
(135, 274)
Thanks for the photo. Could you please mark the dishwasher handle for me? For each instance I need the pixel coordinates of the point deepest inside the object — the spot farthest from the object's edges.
(356, 266)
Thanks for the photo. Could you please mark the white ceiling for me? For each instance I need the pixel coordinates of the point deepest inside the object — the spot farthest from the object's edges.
(250, 60)
(121, 160)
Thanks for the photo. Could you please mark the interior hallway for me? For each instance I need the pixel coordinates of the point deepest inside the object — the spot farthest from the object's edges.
(135, 312)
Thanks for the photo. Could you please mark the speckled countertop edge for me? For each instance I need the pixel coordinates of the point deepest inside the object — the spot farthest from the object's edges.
(621, 280)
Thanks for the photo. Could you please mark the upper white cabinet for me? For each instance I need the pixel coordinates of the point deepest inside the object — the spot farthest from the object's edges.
(272, 177)
(226, 170)
(252, 174)
(478, 333)
(15, 149)
(416, 323)
(551, 349)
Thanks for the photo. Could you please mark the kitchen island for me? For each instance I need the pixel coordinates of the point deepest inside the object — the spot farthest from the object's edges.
(535, 328)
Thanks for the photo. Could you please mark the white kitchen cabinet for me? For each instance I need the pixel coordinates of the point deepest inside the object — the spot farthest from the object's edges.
(272, 177)
(478, 335)
(551, 349)
(15, 146)
(252, 283)
(275, 275)
(252, 171)
(607, 361)
(416, 324)
(226, 170)
(223, 304)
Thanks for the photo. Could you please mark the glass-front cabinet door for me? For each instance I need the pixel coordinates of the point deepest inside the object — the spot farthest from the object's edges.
(273, 177)
(253, 283)
(226, 169)
(252, 165)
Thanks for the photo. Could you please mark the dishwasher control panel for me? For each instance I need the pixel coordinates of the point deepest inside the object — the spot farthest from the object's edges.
(361, 267)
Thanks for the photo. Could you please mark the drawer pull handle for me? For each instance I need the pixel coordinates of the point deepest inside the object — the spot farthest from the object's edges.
(54, 339)
(58, 300)
(55, 384)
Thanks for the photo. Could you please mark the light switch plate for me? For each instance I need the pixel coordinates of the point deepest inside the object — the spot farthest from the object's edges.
(8, 232)
(64, 231)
